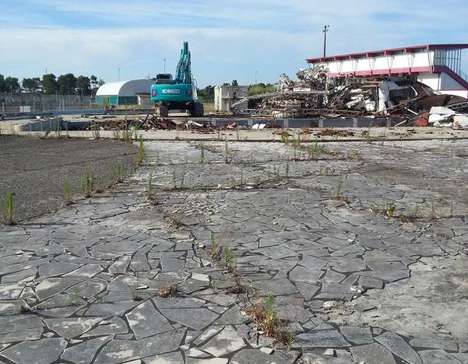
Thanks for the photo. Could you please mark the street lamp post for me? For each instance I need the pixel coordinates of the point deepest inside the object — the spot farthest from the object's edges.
(326, 29)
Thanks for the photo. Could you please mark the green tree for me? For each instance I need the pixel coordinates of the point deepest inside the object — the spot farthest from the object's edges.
(261, 88)
(12, 85)
(49, 83)
(31, 84)
(206, 94)
(94, 82)
(67, 84)
(83, 84)
(2, 84)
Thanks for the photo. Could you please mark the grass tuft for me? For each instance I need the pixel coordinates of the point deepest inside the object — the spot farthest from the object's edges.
(118, 172)
(8, 210)
(150, 188)
(229, 260)
(87, 183)
(141, 151)
(266, 320)
(67, 193)
(316, 149)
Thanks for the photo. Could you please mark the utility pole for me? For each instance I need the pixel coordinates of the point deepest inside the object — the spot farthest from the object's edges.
(164, 65)
(326, 29)
(119, 73)
(256, 77)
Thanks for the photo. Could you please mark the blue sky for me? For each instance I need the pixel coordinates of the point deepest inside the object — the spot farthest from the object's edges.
(240, 39)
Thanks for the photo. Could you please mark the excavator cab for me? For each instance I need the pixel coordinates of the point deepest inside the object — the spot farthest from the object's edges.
(178, 93)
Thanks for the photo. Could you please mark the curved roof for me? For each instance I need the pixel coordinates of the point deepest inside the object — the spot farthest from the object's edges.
(125, 88)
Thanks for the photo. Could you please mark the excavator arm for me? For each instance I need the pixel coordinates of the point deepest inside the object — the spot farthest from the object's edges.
(184, 67)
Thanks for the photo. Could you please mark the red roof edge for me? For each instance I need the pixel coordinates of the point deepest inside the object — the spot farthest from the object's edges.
(390, 51)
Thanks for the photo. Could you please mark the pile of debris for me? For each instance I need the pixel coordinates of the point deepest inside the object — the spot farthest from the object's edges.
(313, 94)
(301, 98)
(151, 122)
(441, 116)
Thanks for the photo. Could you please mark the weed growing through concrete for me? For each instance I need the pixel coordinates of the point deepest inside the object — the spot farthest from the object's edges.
(390, 209)
(355, 155)
(315, 150)
(87, 183)
(226, 151)
(266, 320)
(285, 137)
(166, 292)
(387, 209)
(67, 193)
(150, 189)
(126, 135)
(326, 171)
(175, 220)
(213, 246)
(174, 179)
(8, 210)
(141, 151)
(296, 145)
(202, 154)
(135, 133)
(118, 172)
(229, 260)
(339, 191)
(238, 287)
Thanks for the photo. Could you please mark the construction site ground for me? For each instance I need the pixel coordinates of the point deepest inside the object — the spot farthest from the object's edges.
(356, 251)
(36, 169)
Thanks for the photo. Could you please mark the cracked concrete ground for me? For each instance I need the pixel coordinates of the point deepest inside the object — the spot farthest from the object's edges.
(361, 248)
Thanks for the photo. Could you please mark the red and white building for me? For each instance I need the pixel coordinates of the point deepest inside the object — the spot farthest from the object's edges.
(436, 65)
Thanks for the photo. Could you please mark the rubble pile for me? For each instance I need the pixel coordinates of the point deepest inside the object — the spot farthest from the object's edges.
(313, 94)
(301, 98)
(151, 122)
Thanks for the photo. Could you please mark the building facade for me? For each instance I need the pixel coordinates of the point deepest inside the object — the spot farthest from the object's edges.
(436, 65)
(226, 95)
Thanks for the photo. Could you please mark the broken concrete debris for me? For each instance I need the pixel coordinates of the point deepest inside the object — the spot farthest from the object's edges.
(441, 116)
(313, 94)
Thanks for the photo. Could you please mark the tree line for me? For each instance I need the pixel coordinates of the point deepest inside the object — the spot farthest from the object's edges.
(50, 84)
(207, 94)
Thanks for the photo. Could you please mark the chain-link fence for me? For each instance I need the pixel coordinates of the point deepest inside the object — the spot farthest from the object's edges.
(38, 103)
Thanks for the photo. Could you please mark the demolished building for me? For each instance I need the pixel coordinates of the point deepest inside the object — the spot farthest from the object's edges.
(321, 91)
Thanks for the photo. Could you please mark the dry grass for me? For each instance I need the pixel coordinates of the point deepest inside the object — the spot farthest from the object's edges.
(166, 292)
(266, 321)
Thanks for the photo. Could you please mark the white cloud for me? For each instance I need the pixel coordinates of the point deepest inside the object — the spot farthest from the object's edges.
(229, 40)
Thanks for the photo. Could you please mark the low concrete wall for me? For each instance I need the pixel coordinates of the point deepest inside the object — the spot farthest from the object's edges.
(357, 122)
(270, 135)
(33, 125)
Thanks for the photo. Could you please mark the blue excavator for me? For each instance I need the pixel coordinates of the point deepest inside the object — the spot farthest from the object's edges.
(180, 92)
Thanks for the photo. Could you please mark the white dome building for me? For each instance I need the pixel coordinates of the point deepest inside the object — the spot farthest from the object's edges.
(134, 92)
